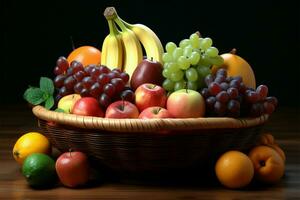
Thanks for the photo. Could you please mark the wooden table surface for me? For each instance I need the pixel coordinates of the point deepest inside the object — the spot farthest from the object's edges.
(17, 120)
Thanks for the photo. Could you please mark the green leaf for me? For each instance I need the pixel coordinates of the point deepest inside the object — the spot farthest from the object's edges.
(46, 84)
(34, 95)
(59, 110)
(49, 102)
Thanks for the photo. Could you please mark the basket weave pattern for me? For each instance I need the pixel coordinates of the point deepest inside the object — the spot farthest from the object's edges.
(142, 146)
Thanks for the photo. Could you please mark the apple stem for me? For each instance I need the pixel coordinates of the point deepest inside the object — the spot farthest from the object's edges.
(233, 51)
(72, 43)
(123, 104)
(185, 85)
(70, 151)
(151, 59)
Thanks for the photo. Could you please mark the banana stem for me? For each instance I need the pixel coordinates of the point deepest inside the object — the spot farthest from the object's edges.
(112, 27)
(120, 24)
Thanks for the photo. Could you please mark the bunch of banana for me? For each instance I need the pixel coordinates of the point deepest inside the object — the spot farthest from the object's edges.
(128, 41)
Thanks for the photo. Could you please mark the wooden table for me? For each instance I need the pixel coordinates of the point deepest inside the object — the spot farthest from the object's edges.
(18, 119)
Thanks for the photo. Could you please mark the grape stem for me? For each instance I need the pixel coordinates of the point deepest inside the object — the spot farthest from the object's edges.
(123, 104)
(199, 34)
(233, 51)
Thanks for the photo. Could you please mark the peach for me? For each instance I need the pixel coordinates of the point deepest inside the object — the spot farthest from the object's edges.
(234, 169)
(268, 165)
(268, 140)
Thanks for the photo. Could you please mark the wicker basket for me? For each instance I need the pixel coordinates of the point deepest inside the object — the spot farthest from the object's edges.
(156, 146)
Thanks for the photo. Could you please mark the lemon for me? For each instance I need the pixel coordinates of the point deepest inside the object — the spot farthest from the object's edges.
(39, 170)
(32, 142)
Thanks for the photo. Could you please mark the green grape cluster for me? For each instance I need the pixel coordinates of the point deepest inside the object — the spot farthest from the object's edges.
(186, 65)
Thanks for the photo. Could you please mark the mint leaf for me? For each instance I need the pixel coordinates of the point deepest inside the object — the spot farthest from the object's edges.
(34, 95)
(46, 84)
(59, 110)
(49, 102)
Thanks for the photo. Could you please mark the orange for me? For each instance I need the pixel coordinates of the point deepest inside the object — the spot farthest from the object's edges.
(86, 55)
(268, 165)
(32, 142)
(237, 66)
(234, 169)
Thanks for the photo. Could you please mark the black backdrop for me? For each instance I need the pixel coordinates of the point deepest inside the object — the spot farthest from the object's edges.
(266, 34)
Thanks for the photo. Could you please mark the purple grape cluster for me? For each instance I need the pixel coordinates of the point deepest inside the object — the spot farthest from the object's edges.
(96, 81)
(229, 97)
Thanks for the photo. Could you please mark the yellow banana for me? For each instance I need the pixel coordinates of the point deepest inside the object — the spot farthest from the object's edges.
(112, 50)
(132, 48)
(149, 40)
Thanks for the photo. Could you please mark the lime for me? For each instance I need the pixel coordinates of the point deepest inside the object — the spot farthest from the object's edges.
(39, 170)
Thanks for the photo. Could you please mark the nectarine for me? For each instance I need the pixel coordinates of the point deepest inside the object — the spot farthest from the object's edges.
(86, 55)
(268, 165)
(234, 169)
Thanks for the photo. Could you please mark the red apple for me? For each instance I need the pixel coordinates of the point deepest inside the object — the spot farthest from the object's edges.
(122, 109)
(148, 95)
(186, 103)
(147, 71)
(87, 106)
(72, 169)
(154, 112)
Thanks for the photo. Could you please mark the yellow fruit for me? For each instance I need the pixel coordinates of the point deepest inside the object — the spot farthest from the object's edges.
(234, 169)
(237, 66)
(32, 142)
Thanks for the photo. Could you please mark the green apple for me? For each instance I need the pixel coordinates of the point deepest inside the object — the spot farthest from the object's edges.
(186, 103)
(67, 102)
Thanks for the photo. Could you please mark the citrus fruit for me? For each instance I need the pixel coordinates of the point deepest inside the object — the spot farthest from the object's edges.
(32, 142)
(234, 169)
(86, 55)
(39, 170)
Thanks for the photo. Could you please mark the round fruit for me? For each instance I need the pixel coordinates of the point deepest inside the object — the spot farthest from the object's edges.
(32, 142)
(268, 164)
(234, 169)
(39, 170)
(237, 66)
(86, 55)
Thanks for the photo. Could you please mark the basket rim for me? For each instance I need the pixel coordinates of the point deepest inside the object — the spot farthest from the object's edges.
(148, 125)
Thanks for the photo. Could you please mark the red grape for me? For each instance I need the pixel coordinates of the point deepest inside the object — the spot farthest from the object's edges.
(79, 75)
(214, 88)
(109, 89)
(224, 86)
(103, 79)
(95, 90)
(233, 106)
(222, 97)
(252, 97)
(233, 93)
(220, 78)
(124, 76)
(257, 109)
(128, 95)
(222, 72)
(210, 102)
(63, 91)
(77, 66)
(208, 79)
(104, 100)
(59, 80)
(118, 83)
(262, 90)
(78, 87)
(85, 93)
(234, 83)
(58, 71)
(220, 108)
(70, 82)
(62, 63)
(103, 69)
(205, 93)
(87, 82)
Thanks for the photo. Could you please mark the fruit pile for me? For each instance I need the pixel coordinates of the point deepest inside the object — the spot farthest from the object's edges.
(41, 169)
(190, 80)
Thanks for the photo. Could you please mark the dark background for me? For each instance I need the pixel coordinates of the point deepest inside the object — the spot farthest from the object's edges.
(266, 34)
